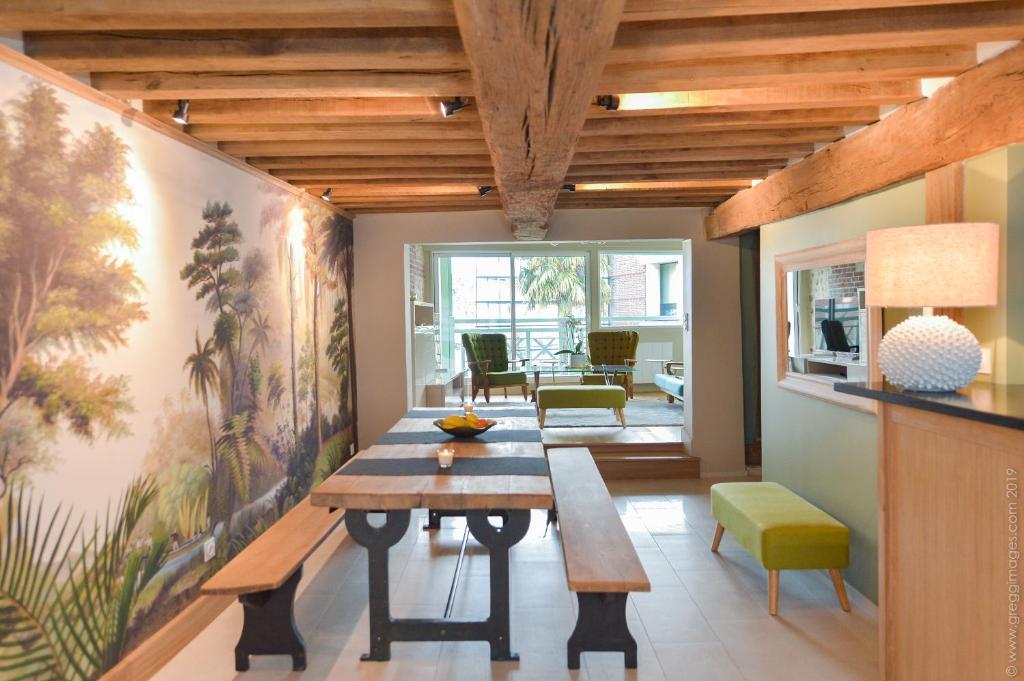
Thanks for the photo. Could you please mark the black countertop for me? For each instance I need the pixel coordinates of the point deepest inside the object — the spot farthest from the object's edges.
(1001, 405)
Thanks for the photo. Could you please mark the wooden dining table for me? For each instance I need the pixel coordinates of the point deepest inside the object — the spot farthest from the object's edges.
(500, 474)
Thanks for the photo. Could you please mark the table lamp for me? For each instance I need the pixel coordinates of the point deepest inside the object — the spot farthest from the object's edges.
(942, 265)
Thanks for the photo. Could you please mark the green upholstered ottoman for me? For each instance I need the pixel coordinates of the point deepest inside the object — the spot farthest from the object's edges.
(781, 530)
(581, 397)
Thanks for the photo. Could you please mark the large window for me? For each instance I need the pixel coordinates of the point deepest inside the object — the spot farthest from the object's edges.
(532, 299)
(641, 288)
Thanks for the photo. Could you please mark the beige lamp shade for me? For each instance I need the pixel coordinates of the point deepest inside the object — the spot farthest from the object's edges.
(943, 265)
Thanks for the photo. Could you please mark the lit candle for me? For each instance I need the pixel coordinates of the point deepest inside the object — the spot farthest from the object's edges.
(468, 407)
(445, 457)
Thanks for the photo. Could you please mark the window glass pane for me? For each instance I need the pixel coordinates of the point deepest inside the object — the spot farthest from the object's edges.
(641, 288)
(475, 295)
(551, 294)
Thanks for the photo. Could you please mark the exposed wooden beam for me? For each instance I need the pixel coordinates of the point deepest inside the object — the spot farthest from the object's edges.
(818, 32)
(309, 110)
(290, 84)
(980, 110)
(746, 120)
(661, 10)
(85, 15)
(348, 174)
(795, 150)
(369, 161)
(394, 189)
(730, 138)
(777, 70)
(680, 167)
(355, 147)
(535, 65)
(336, 131)
(745, 176)
(879, 93)
(402, 49)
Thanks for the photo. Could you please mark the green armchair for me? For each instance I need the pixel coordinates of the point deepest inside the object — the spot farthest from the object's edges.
(612, 347)
(487, 357)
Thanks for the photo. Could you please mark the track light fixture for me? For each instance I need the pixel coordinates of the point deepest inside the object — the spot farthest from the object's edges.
(609, 102)
(180, 114)
(450, 106)
(569, 187)
(485, 190)
(326, 196)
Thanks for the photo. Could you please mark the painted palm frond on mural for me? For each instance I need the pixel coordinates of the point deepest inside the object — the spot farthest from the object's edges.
(67, 593)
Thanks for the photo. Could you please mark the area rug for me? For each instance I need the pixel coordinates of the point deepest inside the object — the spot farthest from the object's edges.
(639, 412)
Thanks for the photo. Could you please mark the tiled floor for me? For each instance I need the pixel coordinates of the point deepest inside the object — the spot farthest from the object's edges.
(705, 619)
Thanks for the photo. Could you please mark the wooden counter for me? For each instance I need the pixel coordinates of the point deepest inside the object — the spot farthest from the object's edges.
(949, 533)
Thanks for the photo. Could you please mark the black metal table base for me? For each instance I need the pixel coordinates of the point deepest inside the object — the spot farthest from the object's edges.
(269, 625)
(601, 627)
(434, 516)
(385, 629)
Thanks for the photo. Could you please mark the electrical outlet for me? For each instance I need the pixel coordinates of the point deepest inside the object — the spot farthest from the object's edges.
(986, 361)
(351, 449)
(209, 550)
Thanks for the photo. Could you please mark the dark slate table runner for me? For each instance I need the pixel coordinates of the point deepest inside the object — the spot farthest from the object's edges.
(470, 465)
(488, 412)
(438, 437)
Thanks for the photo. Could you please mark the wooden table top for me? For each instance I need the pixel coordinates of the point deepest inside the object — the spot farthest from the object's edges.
(444, 491)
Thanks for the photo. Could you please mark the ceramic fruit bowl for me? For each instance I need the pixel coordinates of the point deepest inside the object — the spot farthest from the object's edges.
(466, 430)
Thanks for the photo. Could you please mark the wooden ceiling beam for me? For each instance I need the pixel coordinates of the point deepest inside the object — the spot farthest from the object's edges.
(818, 96)
(356, 147)
(99, 15)
(333, 131)
(796, 150)
(394, 188)
(980, 110)
(778, 70)
(368, 161)
(875, 28)
(354, 110)
(678, 167)
(288, 84)
(402, 49)
(730, 138)
(746, 120)
(385, 174)
(535, 66)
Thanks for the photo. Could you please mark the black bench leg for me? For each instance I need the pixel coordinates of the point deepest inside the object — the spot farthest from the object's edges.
(601, 627)
(269, 625)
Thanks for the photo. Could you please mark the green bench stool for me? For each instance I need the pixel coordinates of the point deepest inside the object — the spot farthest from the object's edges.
(782, 531)
(581, 397)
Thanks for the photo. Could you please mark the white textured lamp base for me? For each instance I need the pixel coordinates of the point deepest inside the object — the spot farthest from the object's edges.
(929, 354)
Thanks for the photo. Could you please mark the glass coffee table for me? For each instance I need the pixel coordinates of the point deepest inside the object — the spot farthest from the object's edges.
(554, 368)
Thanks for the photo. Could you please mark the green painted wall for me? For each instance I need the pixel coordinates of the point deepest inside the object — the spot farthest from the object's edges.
(824, 452)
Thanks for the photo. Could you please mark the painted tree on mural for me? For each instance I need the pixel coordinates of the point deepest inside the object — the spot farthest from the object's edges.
(63, 296)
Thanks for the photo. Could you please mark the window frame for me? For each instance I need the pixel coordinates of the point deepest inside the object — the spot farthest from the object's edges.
(680, 321)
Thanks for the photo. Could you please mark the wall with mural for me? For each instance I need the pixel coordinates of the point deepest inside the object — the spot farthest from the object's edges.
(175, 370)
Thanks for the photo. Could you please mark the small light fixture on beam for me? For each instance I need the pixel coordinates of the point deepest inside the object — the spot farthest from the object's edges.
(180, 115)
(608, 102)
(450, 106)
(326, 196)
(484, 190)
(568, 187)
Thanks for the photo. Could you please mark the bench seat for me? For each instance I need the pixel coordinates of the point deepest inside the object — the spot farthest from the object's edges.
(601, 564)
(265, 575)
(581, 397)
(782, 531)
(672, 385)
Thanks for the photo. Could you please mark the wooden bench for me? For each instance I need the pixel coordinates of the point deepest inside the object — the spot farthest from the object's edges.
(265, 576)
(601, 564)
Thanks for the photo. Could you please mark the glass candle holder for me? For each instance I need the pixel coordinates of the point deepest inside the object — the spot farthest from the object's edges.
(468, 407)
(445, 457)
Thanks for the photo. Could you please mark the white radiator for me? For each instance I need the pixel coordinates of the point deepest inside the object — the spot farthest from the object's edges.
(650, 350)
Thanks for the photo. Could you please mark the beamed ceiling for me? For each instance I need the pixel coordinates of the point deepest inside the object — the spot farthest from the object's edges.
(713, 94)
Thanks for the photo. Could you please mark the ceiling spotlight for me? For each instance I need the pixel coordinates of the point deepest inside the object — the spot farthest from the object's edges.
(485, 190)
(450, 106)
(609, 102)
(326, 196)
(180, 114)
(569, 187)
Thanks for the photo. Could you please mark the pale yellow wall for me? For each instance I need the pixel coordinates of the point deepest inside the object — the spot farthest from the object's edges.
(716, 407)
(824, 452)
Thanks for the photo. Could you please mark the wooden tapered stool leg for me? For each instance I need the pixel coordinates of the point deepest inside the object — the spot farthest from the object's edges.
(837, 582)
(773, 592)
(719, 533)
(621, 413)
(540, 416)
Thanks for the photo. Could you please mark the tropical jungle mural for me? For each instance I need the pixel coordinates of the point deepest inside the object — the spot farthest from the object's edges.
(175, 371)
